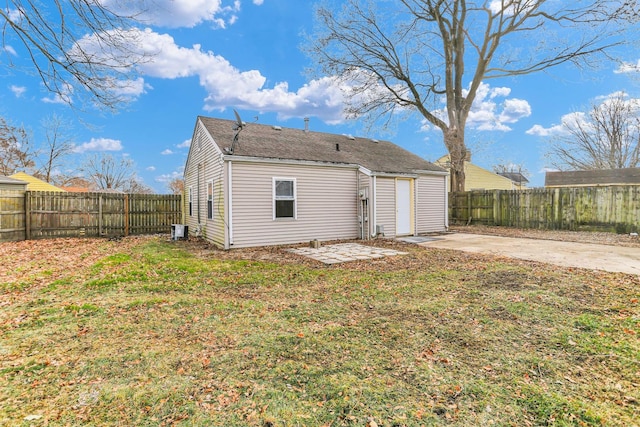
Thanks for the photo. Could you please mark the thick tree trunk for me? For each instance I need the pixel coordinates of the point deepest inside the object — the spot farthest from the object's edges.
(454, 141)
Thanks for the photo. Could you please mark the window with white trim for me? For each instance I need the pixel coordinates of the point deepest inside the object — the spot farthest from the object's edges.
(284, 198)
(210, 199)
(190, 201)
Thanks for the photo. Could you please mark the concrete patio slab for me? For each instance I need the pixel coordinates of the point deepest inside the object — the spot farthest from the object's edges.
(345, 252)
(567, 254)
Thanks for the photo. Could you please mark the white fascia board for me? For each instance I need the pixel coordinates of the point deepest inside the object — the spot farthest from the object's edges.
(365, 171)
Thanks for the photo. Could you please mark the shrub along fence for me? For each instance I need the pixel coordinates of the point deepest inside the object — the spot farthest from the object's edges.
(43, 214)
(610, 208)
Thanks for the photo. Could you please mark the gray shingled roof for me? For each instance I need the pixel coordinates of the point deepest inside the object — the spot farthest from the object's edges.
(7, 180)
(258, 140)
(514, 176)
(593, 177)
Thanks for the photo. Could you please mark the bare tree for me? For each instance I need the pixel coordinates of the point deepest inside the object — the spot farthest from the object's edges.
(57, 145)
(509, 167)
(106, 172)
(75, 44)
(70, 180)
(136, 186)
(408, 55)
(16, 151)
(607, 138)
(176, 186)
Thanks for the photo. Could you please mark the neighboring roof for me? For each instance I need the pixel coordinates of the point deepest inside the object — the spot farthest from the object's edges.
(593, 177)
(35, 184)
(477, 178)
(274, 142)
(77, 189)
(516, 177)
(11, 181)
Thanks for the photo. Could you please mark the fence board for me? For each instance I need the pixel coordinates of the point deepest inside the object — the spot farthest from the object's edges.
(610, 208)
(41, 214)
(12, 216)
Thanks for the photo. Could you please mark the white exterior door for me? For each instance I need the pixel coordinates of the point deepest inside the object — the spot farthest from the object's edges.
(403, 207)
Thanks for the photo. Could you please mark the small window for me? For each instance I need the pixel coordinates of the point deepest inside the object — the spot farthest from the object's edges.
(210, 199)
(190, 201)
(284, 198)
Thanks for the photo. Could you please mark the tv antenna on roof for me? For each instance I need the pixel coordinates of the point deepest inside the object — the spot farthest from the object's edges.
(238, 126)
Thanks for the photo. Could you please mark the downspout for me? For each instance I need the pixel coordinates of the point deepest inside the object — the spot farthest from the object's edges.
(198, 194)
(374, 196)
(359, 214)
(416, 184)
(230, 199)
(446, 205)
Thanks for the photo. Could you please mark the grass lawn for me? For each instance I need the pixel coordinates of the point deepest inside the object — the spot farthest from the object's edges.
(147, 332)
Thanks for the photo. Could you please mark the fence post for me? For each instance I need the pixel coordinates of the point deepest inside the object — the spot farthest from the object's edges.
(497, 217)
(100, 215)
(27, 215)
(126, 214)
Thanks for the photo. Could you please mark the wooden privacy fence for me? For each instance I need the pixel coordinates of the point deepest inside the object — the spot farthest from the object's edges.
(611, 208)
(43, 214)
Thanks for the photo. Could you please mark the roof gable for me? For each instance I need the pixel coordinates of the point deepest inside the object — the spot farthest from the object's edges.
(481, 178)
(274, 142)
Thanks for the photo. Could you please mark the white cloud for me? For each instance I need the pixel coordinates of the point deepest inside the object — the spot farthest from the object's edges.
(487, 112)
(628, 67)
(99, 144)
(166, 152)
(558, 129)
(18, 91)
(178, 13)
(150, 168)
(258, 2)
(168, 177)
(539, 130)
(63, 97)
(580, 118)
(56, 98)
(225, 84)
(130, 88)
(10, 50)
(184, 144)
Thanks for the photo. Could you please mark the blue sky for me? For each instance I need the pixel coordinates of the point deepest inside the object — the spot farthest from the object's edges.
(215, 55)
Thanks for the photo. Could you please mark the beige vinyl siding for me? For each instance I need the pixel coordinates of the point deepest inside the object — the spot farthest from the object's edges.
(386, 205)
(203, 165)
(477, 178)
(326, 204)
(431, 203)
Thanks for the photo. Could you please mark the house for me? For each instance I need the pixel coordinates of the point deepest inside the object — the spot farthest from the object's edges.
(35, 184)
(518, 179)
(593, 178)
(477, 178)
(259, 185)
(12, 184)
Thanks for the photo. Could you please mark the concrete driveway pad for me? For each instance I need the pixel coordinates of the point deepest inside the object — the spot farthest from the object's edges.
(566, 254)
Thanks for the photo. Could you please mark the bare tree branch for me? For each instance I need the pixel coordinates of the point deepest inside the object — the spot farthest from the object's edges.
(402, 56)
(81, 49)
(106, 172)
(16, 150)
(57, 145)
(607, 138)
